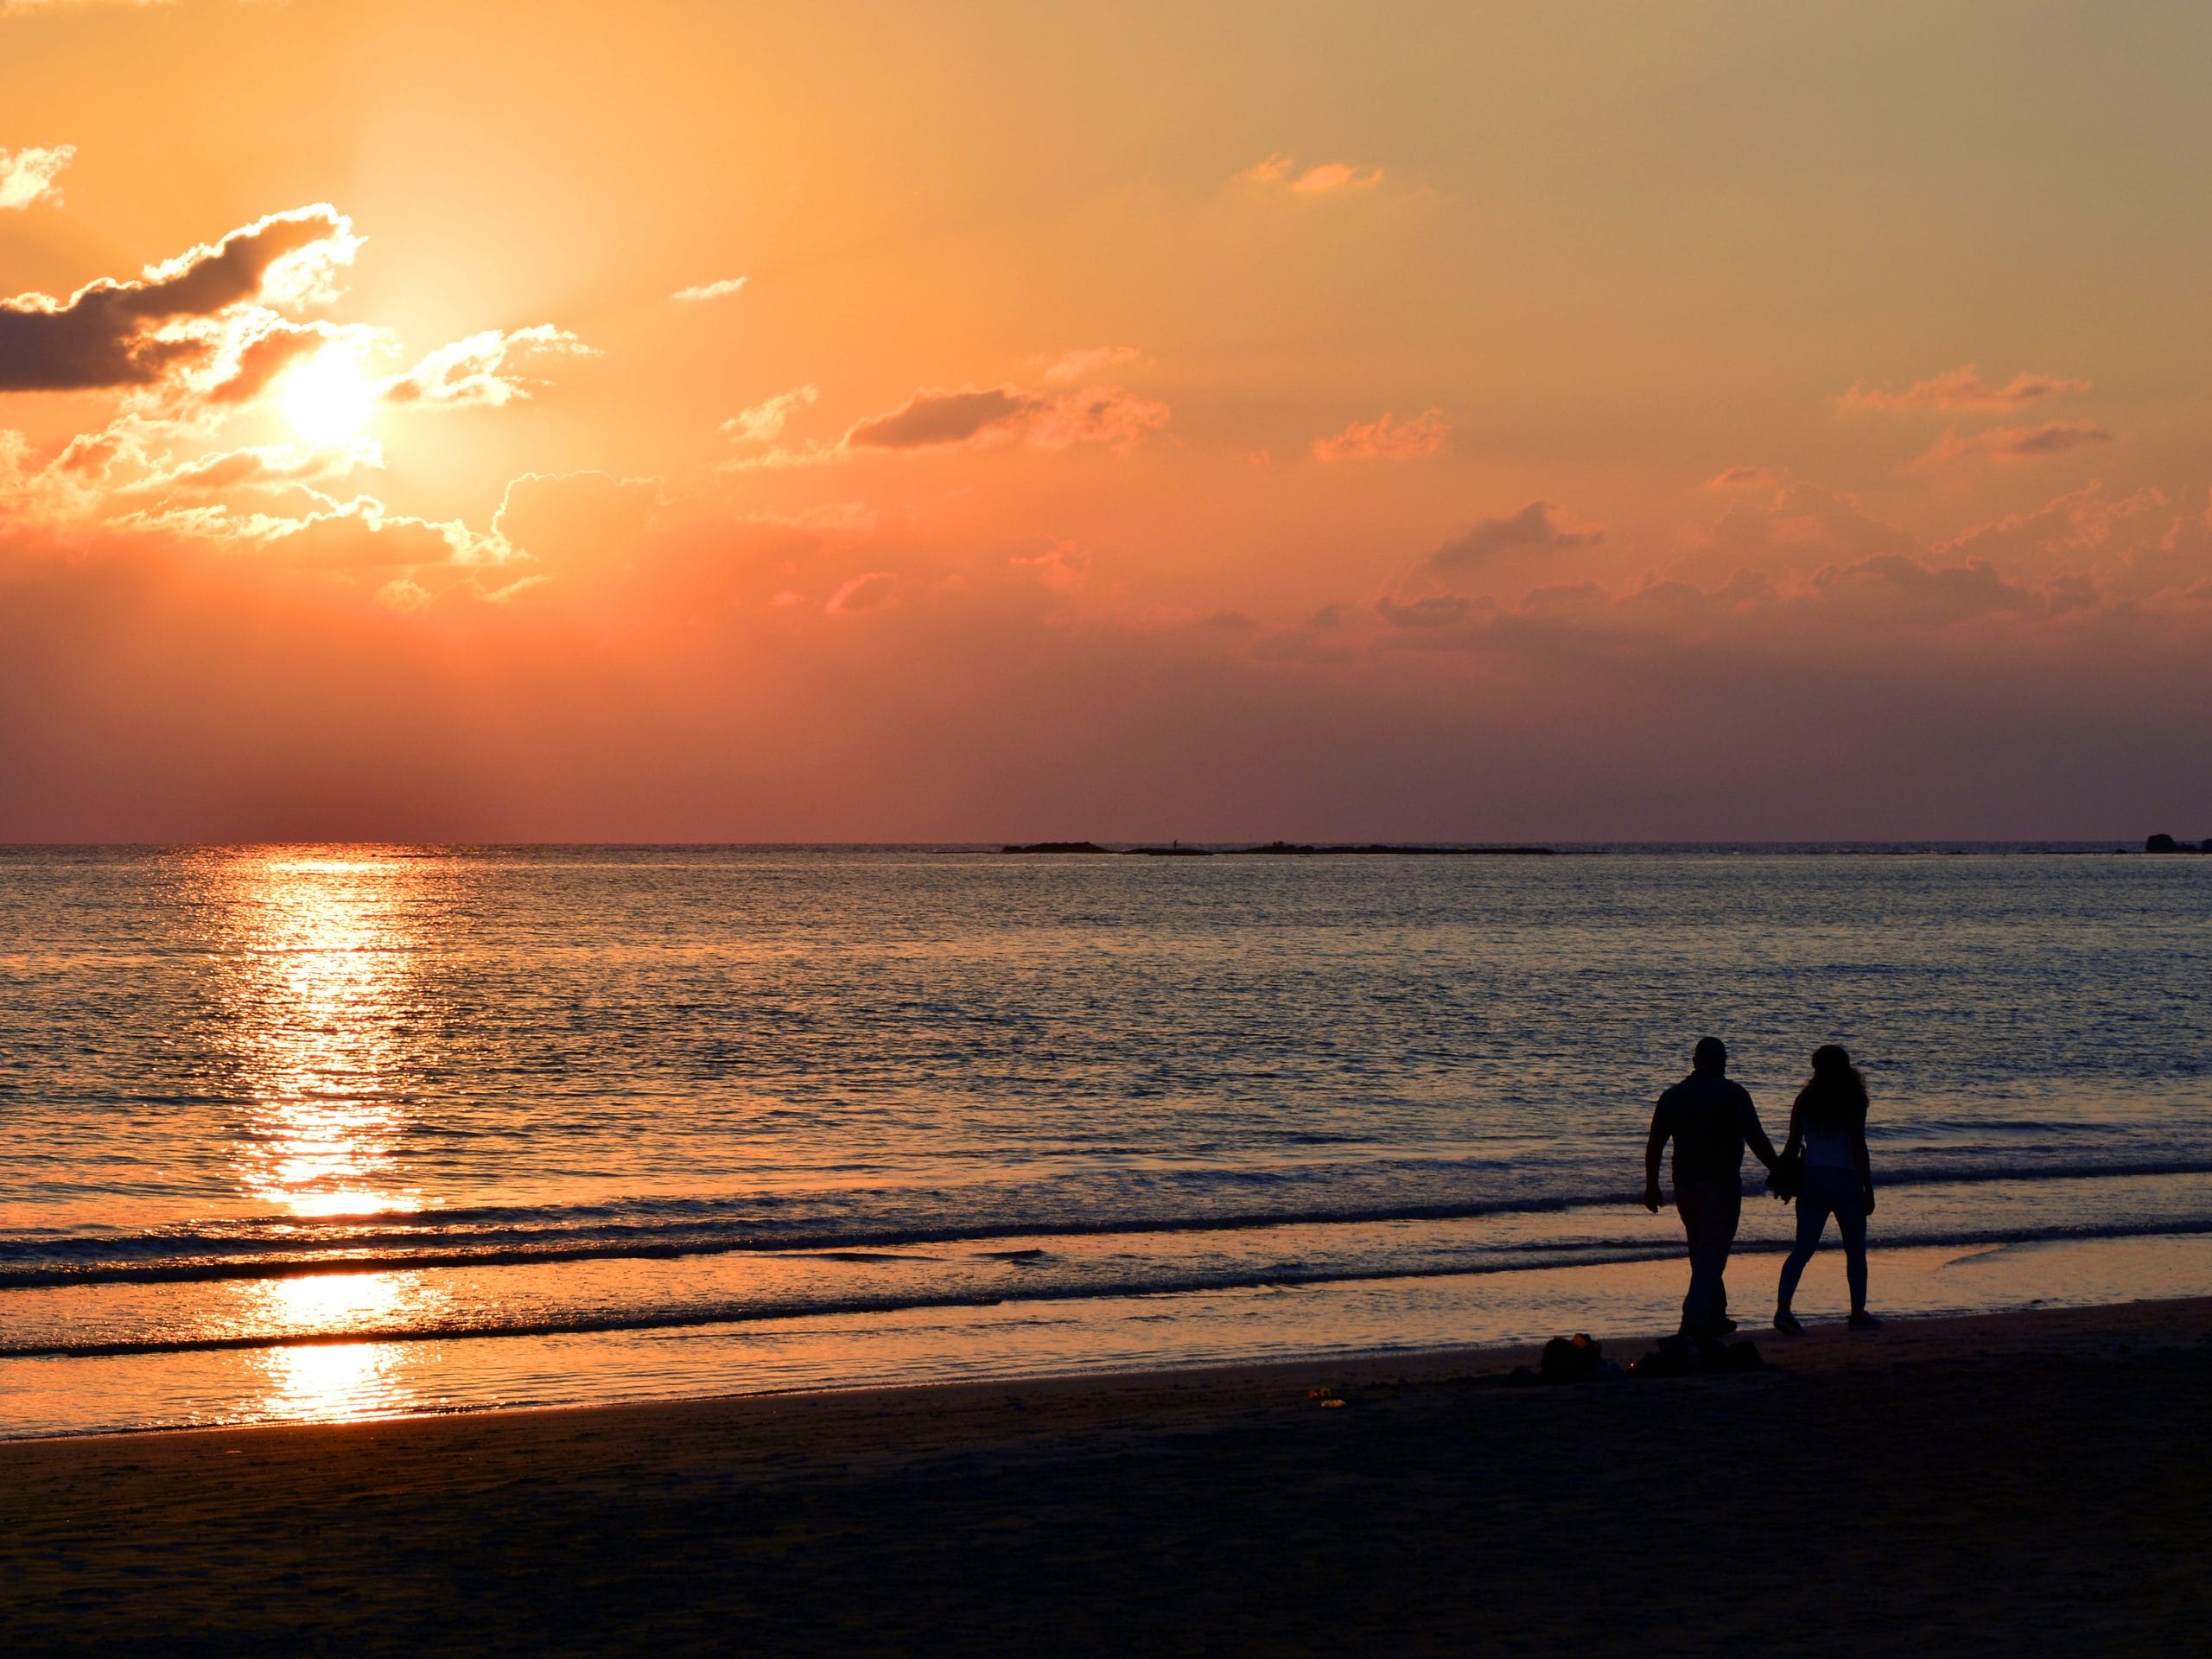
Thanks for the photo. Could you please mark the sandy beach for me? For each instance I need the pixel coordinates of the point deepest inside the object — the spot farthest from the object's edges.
(2031, 1482)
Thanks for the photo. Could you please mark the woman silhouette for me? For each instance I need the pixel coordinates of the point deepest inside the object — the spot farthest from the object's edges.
(1828, 1126)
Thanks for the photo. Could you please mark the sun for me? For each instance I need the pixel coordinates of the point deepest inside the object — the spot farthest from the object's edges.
(325, 398)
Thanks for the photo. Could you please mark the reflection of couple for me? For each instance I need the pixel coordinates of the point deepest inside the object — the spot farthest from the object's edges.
(1711, 1121)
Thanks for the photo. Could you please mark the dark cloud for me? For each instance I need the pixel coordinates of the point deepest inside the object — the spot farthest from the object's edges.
(1909, 592)
(934, 419)
(1743, 478)
(1964, 388)
(1438, 612)
(931, 418)
(112, 333)
(158, 689)
(2011, 444)
(1534, 526)
(268, 353)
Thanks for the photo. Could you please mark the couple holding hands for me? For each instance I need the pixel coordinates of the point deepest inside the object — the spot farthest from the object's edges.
(1822, 1166)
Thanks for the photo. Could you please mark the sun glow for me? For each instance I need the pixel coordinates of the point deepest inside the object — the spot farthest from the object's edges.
(325, 398)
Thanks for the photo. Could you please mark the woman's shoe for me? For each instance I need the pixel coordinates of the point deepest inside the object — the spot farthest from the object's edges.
(1786, 1322)
(1862, 1320)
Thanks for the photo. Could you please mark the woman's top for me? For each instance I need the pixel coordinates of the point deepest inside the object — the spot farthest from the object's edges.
(1828, 1147)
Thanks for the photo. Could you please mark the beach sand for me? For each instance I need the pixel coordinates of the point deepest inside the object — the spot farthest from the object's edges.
(2033, 1483)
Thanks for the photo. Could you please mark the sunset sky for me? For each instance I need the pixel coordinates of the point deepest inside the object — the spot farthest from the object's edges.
(930, 422)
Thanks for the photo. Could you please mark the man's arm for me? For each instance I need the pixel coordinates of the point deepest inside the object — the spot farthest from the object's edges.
(1653, 1146)
(1755, 1131)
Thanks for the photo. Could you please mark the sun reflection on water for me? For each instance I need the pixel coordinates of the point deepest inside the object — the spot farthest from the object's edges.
(333, 1381)
(326, 1033)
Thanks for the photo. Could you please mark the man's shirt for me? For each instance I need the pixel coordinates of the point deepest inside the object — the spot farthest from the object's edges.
(1708, 1118)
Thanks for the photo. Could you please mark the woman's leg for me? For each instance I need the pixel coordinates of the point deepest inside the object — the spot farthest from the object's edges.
(1812, 1218)
(1851, 1222)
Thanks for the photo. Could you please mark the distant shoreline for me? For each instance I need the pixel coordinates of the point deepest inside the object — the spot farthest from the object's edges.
(1830, 849)
(1272, 850)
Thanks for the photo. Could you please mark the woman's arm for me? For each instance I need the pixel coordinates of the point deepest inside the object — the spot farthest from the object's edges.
(1865, 1166)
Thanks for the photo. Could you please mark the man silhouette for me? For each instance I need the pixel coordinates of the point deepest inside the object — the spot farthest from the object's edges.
(1710, 1120)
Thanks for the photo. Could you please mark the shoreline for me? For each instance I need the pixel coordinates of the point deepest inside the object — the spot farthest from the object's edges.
(1476, 1318)
(1992, 1483)
(1827, 1346)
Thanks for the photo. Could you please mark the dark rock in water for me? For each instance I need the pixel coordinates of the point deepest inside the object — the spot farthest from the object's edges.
(2162, 844)
(1054, 847)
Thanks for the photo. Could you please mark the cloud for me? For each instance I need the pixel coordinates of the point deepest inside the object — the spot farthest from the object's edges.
(1071, 366)
(1105, 415)
(262, 467)
(1743, 478)
(979, 416)
(475, 372)
(1437, 611)
(704, 291)
(932, 418)
(1331, 176)
(765, 421)
(1534, 526)
(112, 333)
(1388, 438)
(584, 520)
(1963, 388)
(28, 175)
(861, 593)
(1901, 590)
(778, 457)
(159, 688)
(364, 533)
(2013, 443)
(262, 345)
(1280, 172)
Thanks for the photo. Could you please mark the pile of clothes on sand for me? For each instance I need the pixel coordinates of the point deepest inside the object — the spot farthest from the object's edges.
(1580, 1358)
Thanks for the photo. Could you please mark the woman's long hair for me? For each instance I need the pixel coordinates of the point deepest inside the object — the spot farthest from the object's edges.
(1834, 1096)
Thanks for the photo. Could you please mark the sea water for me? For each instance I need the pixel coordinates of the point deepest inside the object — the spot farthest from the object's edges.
(328, 1132)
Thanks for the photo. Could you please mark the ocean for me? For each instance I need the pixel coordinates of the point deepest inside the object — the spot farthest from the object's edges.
(343, 1131)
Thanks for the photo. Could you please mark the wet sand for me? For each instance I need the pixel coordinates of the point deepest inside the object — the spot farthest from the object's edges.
(2038, 1482)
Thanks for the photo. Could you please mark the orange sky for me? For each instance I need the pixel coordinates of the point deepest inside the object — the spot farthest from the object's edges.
(697, 421)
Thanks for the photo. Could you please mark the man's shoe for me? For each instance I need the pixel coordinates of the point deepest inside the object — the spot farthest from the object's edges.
(1723, 1325)
(1862, 1320)
(1786, 1322)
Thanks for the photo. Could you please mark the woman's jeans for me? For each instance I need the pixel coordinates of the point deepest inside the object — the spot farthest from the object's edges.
(1829, 1191)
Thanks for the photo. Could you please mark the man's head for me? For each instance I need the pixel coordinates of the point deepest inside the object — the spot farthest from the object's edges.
(1711, 1054)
